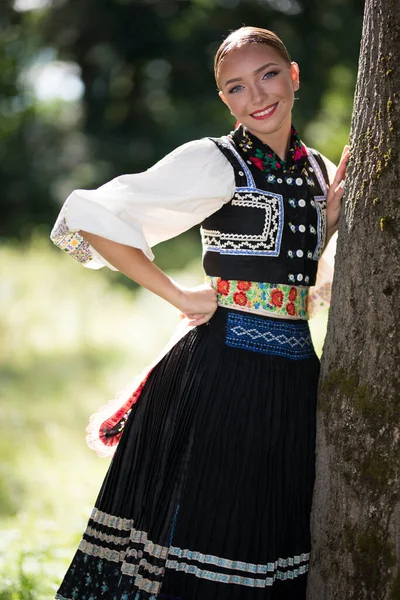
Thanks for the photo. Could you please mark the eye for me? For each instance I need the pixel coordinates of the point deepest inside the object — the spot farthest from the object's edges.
(270, 74)
(235, 89)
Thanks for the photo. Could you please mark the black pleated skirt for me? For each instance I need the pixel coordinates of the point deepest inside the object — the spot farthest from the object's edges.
(208, 495)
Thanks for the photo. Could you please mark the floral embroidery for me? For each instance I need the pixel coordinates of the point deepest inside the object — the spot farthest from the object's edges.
(277, 298)
(246, 143)
(257, 161)
(223, 287)
(240, 298)
(71, 241)
(273, 299)
(244, 285)
(320, 297)
(265, 159)
(300, 151)
(290, 309)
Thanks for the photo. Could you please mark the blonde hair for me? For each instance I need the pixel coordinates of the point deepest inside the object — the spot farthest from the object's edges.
(249, 35)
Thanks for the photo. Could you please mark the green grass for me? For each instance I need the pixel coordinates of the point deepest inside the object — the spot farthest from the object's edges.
(70, 338)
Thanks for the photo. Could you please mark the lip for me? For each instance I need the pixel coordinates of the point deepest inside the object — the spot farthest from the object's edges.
(256, 114)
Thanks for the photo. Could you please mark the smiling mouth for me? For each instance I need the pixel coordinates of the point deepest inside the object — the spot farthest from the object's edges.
(265, 112)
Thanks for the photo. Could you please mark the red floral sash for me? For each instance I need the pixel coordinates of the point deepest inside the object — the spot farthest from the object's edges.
(271, 299)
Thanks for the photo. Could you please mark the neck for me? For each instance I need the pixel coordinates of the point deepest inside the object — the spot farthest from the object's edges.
(278, 141)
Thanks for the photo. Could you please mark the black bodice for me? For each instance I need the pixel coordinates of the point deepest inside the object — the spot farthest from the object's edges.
(274, 228)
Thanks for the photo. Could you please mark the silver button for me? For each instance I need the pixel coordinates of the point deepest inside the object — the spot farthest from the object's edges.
(299, 277)
(302, 228)
(311, 169)
(299, 181)
(279, 180)
(299, 253)
(302, 203)
(249, 162)
(241, 173)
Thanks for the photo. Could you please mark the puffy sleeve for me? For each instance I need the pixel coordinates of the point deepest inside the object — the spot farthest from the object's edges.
(320, 294)
(144, 209)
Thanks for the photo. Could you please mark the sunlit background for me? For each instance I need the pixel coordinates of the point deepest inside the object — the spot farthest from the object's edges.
(90, 89)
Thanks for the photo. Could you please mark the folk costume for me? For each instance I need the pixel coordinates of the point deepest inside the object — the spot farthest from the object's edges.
(208, 495)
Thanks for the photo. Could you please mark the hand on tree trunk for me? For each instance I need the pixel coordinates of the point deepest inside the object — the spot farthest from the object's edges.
(335, 194)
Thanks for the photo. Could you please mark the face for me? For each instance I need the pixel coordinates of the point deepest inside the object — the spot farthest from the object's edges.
(258, 86)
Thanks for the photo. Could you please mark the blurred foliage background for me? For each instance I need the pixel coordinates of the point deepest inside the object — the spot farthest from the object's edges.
(90, 89)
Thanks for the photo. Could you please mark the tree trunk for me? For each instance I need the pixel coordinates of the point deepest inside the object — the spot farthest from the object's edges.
(356, 509)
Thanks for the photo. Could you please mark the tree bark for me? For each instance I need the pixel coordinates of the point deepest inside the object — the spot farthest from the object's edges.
(356, 510)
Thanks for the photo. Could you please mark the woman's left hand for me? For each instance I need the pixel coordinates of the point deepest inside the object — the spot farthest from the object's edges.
(335, 194)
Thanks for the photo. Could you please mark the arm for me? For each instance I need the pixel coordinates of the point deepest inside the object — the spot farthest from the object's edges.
(198, 304)
(335, 192)
(118, 224)
(143, 209)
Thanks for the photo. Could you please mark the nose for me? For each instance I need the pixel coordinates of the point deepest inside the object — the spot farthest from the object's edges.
(257, 95)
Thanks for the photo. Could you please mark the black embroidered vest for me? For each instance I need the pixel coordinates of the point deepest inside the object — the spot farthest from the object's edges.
(274, 228)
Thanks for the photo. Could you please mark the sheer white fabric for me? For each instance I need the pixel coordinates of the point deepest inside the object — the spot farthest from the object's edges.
(331, 168)
(144, 209)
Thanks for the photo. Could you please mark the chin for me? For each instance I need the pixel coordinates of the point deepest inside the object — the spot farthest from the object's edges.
(267, 127)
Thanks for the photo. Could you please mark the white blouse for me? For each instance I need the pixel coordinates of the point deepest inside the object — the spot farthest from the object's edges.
(144, 209)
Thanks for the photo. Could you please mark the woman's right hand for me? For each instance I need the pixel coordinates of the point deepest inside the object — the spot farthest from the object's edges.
(198, 304)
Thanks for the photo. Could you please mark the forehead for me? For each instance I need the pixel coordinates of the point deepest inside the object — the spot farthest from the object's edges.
(243, 61)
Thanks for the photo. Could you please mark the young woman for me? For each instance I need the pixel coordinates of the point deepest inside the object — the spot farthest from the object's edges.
(208, 495)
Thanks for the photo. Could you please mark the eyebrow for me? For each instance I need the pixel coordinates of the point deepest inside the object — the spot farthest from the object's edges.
(254, 72)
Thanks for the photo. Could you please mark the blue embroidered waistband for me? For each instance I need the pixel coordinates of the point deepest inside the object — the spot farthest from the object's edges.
(268, 336)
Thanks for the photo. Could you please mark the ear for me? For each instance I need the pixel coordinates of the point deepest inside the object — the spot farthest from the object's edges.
(221, 95)
(295, 75)
(224, 100)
